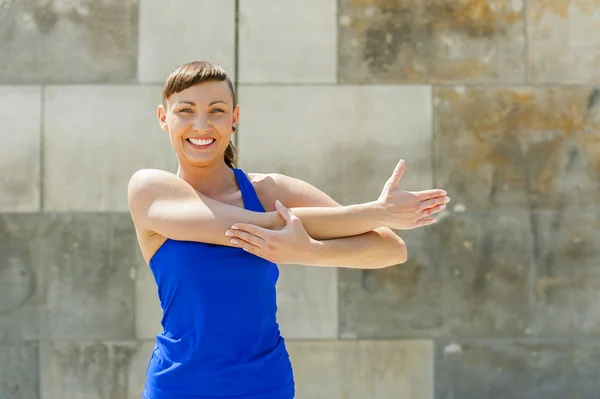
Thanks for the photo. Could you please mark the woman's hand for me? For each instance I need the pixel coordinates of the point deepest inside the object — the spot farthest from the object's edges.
(405, 210)
(290, 245)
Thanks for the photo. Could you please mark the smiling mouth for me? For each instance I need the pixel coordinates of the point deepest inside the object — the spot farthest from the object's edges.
(200, 143)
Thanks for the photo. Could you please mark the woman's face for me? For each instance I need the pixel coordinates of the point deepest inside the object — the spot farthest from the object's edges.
(199, 121)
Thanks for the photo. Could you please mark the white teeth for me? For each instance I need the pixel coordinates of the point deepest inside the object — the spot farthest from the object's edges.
(201, 141)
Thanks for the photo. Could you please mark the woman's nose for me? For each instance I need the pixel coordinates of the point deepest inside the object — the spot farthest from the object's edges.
(200, 124)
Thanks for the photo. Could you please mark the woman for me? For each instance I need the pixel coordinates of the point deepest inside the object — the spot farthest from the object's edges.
(212, 234)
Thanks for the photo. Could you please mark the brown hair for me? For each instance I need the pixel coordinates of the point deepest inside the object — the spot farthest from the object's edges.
(196, 72)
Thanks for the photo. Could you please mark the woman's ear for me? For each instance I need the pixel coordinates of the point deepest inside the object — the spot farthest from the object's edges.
(236, 117)
(161, 113)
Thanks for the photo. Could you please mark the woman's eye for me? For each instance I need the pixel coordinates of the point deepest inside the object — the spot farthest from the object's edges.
(217, 110)
(186, 110)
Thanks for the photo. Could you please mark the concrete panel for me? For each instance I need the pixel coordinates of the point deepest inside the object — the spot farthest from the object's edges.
(86, 370)
(137, 368)
(167, 38)
(524, 149)
(307, 302)
(88, 262)
(20, 112)
(19, 375)
(566, 285)
(389, 41)
(560, 46)
(22, 294)
(358, 370)
(68, 41)
(95, 138)
(466, 276)
(64, 276)
(345, 140)
(148, 312)
(297, 48)
(517, 370)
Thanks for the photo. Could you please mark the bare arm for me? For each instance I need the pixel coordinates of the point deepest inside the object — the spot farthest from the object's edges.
(162, 203)
(371, 250)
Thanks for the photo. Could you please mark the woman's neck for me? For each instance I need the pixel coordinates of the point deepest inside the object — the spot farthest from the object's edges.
(215, 181)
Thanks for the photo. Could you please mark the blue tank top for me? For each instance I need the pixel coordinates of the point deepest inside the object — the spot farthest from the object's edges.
(220, 334)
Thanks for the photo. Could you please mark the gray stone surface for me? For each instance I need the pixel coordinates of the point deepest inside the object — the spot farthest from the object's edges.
(86, 370)
(566, 284)
(19, 374)
(68, 41)
(167, 39)
(89, 289)
(345, 140)
(89, 160)
(466, 276)
(517, 370)
(138, 365)
(363, 369)
(389, 41)
(526, 149)
(148, 312)
(561, 48)
(300, 48)
(67, 276)
(22, 297)
(21, 113)
(307, 302)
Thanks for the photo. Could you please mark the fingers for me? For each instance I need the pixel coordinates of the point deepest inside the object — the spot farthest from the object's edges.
(429, 194)
(240, 237)
(253, 249)
(285, 213)
(397, 174)
(433, 202)
(431, 211)
(251, 229)
(425, 222)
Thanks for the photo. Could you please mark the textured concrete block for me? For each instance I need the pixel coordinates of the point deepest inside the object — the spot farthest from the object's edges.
(561, 48)
(138, 365)
(345, 140)
(387, 41)
(297, 48)
(66, 276)
(68, 41)
(112, 131)
(86, 370)
(566, 249)
(307, 302)
(524, 149)
(358, 370)
(19, 375)
(168, 39)
(466, 276)
(517, 370)
(148, 312)
(22, 294)
(87, 276)
(20, 112)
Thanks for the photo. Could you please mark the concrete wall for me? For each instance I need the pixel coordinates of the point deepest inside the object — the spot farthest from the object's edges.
(493, 100)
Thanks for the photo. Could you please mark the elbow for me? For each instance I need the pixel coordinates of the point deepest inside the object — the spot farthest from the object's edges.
(398, 255)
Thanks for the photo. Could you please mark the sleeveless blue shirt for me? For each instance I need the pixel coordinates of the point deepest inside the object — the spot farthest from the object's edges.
(220, 334)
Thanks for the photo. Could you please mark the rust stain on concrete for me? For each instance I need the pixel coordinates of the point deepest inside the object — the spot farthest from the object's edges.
(523, 134)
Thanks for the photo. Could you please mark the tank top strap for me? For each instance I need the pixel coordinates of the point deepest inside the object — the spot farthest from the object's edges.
(251, 201)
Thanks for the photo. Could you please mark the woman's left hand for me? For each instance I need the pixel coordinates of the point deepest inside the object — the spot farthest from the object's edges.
(290, 245)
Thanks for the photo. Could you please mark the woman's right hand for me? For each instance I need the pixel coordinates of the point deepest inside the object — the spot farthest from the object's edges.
(406, 210)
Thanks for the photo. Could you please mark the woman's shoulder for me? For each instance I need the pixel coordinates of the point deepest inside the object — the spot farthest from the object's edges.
(291, 191)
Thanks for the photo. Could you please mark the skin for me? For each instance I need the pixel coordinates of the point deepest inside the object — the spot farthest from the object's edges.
(301, 225)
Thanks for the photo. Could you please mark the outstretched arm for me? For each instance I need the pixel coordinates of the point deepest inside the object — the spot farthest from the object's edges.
(162, 203)
(292, 244)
